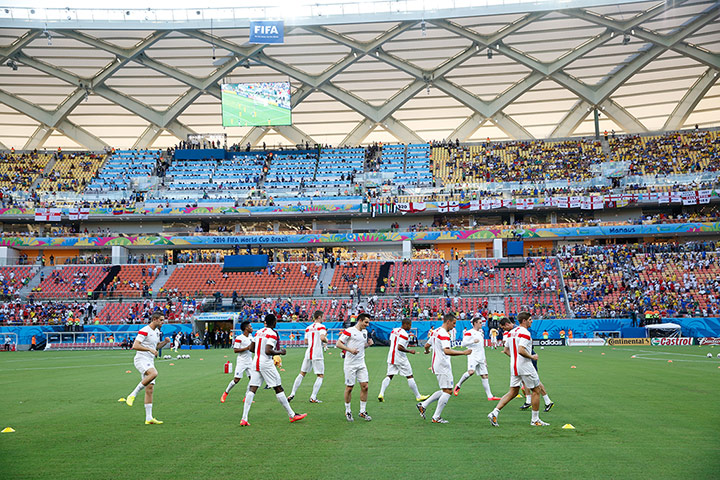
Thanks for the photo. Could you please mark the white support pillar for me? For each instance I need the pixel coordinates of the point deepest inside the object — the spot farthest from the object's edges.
(498, 248)
(407, 249)
(8, 256)
(119, 255)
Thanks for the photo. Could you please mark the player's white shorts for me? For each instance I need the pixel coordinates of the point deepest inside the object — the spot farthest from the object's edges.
(143, 364)
(269, 374)
(242, 368)
(355, 373)
(531, 381)
(480, 366)
(402, 368)
(445, 380)
(318, 366)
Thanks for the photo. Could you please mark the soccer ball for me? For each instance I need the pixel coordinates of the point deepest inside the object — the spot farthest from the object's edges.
(709, 355)
(718, 355)
(186, 356)
(179, 357)
(542, 348)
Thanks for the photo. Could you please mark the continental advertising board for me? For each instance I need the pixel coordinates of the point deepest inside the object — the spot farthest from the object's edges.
(613, 342)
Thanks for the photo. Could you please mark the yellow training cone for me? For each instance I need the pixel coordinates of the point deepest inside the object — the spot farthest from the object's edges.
(8, 430)
(568, 426)
(121, 399)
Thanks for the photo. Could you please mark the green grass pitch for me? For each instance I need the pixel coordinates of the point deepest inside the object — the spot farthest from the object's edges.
(243, 112)
(634, 418)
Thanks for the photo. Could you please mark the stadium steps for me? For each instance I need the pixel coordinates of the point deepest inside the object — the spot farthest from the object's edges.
(570, 312)
(35, 280)
(454, 272)
(48, 168)
(161, 279)
(114, 270)
(326, 275)
(495, 303)
(384, 273)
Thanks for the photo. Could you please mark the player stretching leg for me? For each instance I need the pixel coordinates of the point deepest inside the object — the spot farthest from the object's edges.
(398, 362)
(518, 347)
(147, 343)
(353, 342)
(241, 345)
(315, 337)
(441, 367)
(263, 368)
(475, 341)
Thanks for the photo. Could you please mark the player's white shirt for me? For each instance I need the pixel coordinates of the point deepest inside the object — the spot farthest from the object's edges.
(149, 338)
(478, 349)
(313, 335)
(519, 365)
(440, 360)
(242, 341)
(354, 339)
(398, 337)
(261, 360)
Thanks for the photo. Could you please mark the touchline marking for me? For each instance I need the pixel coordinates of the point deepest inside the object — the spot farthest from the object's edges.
(69, 366)
(655, 352)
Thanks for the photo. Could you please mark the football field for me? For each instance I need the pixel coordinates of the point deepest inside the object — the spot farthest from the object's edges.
(640, 417)
(239, 111)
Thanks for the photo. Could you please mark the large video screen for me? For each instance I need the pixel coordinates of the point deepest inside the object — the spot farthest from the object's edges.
(256, 104)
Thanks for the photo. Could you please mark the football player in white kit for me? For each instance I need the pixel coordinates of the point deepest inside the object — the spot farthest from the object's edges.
(353, 342)
(147, 343)
(263, 368)
(477, 364)
(518, 346)
(398, 362)
(315, 339)
(441, 367)
(241, 345)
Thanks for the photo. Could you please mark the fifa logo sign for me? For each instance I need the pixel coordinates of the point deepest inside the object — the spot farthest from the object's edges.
(266, 30)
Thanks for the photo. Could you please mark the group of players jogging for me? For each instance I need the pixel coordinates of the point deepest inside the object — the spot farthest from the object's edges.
(257, 353)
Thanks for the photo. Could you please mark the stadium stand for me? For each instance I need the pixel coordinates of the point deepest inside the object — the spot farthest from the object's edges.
(121, 168)
(12, 279)
(337, 168)
(21, 170)
(71, 282)
(71, 172)
(133, 281)
(139, 312)
(277, 279)
(484, 276)
(352, 275)
(290, 173)
(422, 276)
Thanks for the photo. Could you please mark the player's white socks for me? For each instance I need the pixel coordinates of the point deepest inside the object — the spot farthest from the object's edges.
(230, 386)
(528, 398)
(363, 406)
(432, 398)
(384, 385)
(348, 408)
(546, 399)
(316, 387)
(148, 412)
(535, 415)
(495, 411)
(296, 385)
(284, 402)
(464, 377)
(413, 387)
(137, 390)
(486, 386)
(249, 395)
(444, 397)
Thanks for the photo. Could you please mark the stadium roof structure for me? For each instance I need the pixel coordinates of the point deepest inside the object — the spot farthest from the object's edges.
(74, 78)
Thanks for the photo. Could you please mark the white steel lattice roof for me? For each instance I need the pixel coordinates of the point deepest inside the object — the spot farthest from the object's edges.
(647, 66)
